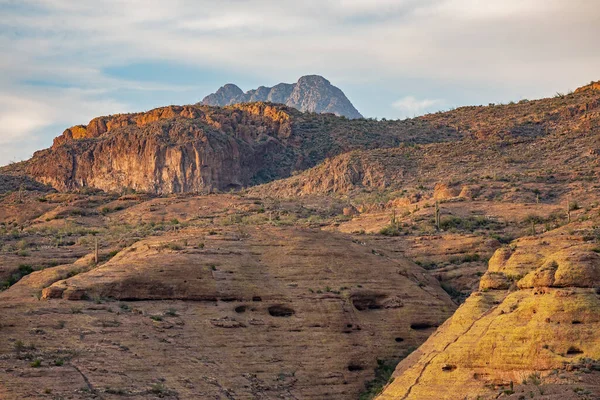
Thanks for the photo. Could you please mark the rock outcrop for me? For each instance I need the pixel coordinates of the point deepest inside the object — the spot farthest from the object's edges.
(311, 93)
(592, 86)
(534, 322)
(227, 312)
(180, 149)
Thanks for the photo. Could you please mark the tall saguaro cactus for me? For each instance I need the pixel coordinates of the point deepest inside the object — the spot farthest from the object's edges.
(96, 251)
(437, 215)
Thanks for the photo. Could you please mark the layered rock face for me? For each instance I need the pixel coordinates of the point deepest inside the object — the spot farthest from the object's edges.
(229, 312)
(534, 323)
(180, 149)
(311, 93)
(171, 149)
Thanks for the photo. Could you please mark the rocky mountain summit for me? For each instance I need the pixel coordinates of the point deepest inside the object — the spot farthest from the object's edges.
(311, 93)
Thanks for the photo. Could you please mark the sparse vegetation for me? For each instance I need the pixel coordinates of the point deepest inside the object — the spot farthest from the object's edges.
(23, 270)
(383, 373)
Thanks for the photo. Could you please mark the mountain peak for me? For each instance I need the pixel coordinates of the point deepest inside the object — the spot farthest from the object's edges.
(225, 93)
(313, 79)
(312, 93)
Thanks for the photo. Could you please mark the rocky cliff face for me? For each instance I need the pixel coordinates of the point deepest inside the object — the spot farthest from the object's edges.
(171, 149)
(205, 149)
(311, 93)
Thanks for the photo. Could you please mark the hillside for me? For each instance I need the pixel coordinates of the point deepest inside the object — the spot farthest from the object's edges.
(198, 297)
(206, 149)
(311, 93)
(552, 141)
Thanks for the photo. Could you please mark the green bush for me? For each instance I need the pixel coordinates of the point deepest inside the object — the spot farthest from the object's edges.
(391, 230)
(383, 373)
(469, 224)
(23, 270)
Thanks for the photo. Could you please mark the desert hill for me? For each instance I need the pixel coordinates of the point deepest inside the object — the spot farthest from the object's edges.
(548, 140)
(197, 297)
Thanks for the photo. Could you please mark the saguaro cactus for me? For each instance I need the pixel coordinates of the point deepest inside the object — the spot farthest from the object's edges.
(437, 215)
(96, 250)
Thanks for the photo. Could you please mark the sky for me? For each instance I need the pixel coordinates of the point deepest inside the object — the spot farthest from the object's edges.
(64, 62)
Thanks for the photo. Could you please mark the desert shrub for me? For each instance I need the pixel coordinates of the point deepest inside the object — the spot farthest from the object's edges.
(465, 258)
(391, 230)
(174, 246)
(503, 239)
(383, 373)
(469, 224)
(455, 294)
(23, 270)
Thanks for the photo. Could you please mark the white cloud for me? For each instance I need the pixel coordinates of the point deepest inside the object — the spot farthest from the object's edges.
(23, 118)
(411, 107)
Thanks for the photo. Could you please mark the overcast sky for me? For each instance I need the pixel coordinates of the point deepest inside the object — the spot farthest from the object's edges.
(66, 61)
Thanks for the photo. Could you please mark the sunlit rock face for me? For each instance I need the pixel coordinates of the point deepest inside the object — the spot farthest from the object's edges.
(533, 324)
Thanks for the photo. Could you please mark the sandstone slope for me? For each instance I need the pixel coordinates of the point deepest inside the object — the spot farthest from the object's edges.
(230, 312)
(531, 330)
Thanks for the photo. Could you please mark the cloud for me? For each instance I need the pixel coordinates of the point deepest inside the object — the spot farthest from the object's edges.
(458, 50)
(412, 107)
(24, 117)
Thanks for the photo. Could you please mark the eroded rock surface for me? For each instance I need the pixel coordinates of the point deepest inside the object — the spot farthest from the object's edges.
(229, 312)
(534, 322)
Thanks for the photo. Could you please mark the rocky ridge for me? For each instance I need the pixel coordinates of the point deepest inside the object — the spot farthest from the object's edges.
(311, 93)
(179, 149)
(549, 139)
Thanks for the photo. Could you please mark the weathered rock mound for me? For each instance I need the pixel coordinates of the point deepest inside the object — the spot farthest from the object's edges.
(295, 313)
(311, 93)
(536, 314)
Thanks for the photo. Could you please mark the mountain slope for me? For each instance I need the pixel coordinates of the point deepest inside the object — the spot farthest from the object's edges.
(205, 149)
(544, 142)
(311, 93)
